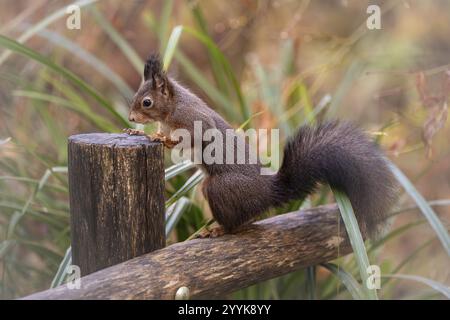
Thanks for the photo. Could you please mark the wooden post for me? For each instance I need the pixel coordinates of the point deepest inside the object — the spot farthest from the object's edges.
(116, 184)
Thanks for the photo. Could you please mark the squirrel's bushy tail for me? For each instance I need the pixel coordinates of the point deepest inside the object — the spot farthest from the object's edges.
(342, 156)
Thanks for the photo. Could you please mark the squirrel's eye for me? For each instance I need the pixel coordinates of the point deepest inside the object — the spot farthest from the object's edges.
(147, 102)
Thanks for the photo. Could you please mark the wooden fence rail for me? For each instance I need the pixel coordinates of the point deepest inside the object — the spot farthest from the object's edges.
(214, 267)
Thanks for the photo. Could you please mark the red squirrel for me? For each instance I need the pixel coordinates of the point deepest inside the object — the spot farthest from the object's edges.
(336, 153)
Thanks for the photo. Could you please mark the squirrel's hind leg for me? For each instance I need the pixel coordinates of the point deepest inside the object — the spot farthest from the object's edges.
(235, 200)
(213, 231)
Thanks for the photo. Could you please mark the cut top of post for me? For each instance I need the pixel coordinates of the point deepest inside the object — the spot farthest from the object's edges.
(116, 139)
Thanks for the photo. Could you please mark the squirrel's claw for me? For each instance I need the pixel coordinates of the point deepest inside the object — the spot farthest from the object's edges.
(169, 143)
(156, 137)
(166, 141)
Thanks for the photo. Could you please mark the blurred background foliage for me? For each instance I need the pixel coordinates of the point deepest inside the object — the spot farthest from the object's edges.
(261, 64)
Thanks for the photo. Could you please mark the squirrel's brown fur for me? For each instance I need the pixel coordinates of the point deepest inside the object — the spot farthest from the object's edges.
(335, 153)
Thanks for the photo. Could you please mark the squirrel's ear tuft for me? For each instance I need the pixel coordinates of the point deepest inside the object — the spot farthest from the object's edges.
(153, 71)
(153, 67)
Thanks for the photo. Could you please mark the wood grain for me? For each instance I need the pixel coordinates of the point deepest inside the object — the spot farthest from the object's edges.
(116, 185)
(214, 267)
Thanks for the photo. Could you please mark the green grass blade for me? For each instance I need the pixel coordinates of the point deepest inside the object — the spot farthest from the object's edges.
(164, 23)
(306, 101)
(353, 287)
(412, 255)
(195, 179)
(61, 13)
(394, 233)
(34, 181)
(62, 269)
(431, 203)
(175, 212)
(246, 122)
(19, 214)
(55, 130)
(177, 169)
(215, 63)
(356, 240)
(270, 93)
(115, 36)
(5, 246)
(352, 73)
(215, 95)
(89, 59)
(53, 218)
(25, 51)
(219, 59)
(96, 120)
(66, 90)
(41, 249)
(171, 46)
(445, 290)
(405, 261)
(5, 141)
(427, 211)
(311, 282)
(287, 61)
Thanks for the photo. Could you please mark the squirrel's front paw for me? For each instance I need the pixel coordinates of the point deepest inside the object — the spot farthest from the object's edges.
(169, 143)
(159, 137)
(134, 132)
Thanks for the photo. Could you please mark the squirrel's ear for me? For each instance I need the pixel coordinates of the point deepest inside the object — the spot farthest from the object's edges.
(161, 82)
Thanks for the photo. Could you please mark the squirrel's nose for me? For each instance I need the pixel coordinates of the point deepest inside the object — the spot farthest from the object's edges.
(131, 117)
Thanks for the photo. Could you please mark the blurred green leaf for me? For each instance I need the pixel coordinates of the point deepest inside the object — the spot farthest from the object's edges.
(311, 282)
(95, 119)
(177, 169)
(171, 46)
(5, 141)
(195, 179)
(88, 58)
(19, 214)
(215, 63)
(17, 47)
(5, 246)
(427, 211)
(353, 287)
(164, 24)
(205, 84)
(174, 213)
(115, 36)
(62, 269)
(352, 73)
(440, 287)
(356, 240)
(44, 23)
(394, 233)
